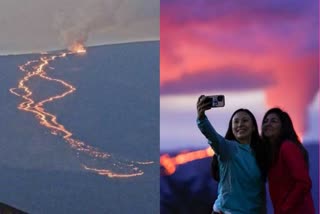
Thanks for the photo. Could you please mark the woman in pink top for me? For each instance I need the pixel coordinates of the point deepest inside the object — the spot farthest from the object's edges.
(288, 176)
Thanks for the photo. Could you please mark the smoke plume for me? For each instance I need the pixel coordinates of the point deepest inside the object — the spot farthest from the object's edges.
(114, 18)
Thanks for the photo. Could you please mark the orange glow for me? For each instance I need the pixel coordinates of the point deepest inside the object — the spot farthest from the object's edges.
(110, 174)
(170, 164)
(199, 50)
(36, 68)
(300, 136)
(78, 47)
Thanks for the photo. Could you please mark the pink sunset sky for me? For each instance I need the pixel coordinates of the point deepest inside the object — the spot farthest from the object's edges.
(260, 54)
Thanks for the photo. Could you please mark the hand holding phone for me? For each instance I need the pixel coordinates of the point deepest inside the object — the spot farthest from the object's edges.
(216, 100)
(207, 102)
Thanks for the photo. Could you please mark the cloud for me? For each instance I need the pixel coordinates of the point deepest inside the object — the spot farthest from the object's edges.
(274, 43)
(228, 79)
(103, 15)
(248, 10)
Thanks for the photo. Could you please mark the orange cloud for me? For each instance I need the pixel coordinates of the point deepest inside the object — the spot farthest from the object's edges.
(283, 48)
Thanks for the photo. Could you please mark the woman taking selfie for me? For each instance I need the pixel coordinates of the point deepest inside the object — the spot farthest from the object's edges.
(241, 188)
(288, 176)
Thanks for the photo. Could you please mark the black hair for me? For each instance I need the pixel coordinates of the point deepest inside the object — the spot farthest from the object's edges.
(256, 145)
(287, 132)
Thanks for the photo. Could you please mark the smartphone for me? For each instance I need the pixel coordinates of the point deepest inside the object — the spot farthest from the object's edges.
(216, 100)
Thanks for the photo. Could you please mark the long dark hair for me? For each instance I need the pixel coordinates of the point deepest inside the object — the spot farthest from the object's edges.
(256, 145)
(287, 132)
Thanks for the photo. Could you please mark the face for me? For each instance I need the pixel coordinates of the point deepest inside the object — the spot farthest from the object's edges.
(242, 126)
(271, 127)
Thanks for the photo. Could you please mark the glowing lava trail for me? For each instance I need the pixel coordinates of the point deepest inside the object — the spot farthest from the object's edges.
(170, 164)
(92, 159)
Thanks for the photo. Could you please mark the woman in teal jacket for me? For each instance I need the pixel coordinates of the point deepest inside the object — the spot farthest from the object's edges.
(241, 189)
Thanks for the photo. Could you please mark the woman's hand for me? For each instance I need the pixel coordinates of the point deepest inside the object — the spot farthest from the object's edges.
(202, 106)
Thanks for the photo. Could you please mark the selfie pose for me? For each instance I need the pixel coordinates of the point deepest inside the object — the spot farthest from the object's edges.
(288, 176)
(242, 173)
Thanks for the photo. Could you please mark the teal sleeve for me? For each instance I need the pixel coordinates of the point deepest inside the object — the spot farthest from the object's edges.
(222, 147)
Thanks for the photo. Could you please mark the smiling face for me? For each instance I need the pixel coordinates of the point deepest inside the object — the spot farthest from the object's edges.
(242, 127)
(271, 127)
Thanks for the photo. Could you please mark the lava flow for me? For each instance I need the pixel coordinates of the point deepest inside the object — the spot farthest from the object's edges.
(98, 160)
(170, 164)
